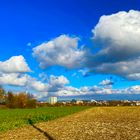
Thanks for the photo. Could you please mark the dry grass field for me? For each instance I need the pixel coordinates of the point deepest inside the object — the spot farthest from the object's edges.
(98, 123)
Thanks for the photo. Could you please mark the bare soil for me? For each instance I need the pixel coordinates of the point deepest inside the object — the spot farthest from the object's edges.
(99, 123)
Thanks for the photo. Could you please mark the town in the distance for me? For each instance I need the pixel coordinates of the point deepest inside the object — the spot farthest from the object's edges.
(54, 101)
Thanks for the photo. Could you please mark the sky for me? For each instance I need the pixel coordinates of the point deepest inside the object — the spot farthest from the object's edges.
(70, 47)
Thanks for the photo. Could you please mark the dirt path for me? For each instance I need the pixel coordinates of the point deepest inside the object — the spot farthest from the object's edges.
(110, 123)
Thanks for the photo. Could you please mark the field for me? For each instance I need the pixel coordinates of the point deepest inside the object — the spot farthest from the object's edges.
(97, 123)
(13, 118)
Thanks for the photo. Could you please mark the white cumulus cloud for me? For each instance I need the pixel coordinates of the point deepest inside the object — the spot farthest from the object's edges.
(106, 82)
(117, 35)
(58, 80)
(16, 64)
(13, 79)
(61, 51)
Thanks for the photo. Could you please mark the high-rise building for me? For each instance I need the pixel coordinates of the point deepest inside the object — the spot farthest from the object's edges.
(52, 100)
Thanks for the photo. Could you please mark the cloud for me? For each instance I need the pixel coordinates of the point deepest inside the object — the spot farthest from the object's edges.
(23, 80)
(58, 80)
(127, 69)
(13, 79)
(12, 73)
(84, 72)
(118, 33)
(135, 76)
(61, 51)
(134, 89)
(68, 91)
(29, 44)
(36, 85)
(16, 64)
(117, 36)
(86, 90)
(54, 84)
(106, 82)
(57, 86)
(72, 91)
(44, 77)
(74, 74)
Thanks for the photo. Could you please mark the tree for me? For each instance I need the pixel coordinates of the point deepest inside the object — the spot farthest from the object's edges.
(10, 100)
(22, 100)
(2, 95)
(31, 102)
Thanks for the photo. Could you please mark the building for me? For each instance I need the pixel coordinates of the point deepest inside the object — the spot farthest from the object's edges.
(52, 100)
(137, 103)
(79, 102)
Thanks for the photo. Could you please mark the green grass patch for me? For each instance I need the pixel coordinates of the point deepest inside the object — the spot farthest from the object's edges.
(13, 118)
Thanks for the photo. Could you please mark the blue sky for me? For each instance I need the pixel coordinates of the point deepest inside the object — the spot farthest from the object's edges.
(26, 24)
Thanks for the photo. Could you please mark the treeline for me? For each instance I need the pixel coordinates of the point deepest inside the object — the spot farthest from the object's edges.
(20, 100)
